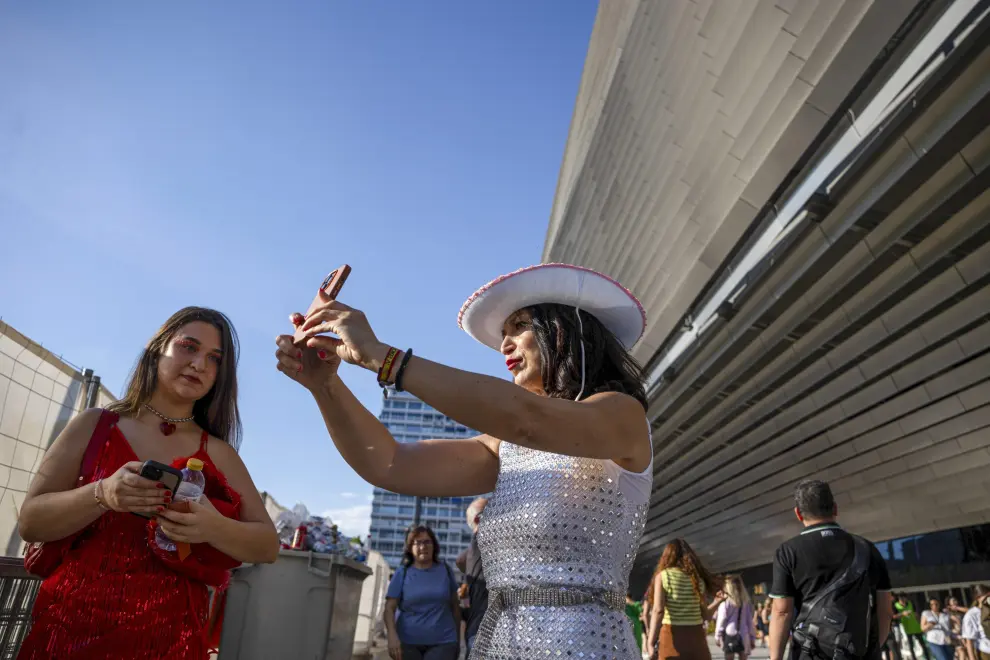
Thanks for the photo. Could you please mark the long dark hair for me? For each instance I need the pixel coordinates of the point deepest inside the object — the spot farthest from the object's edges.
(216, 412)
(407, 555)
(608, 367)
(678, 554)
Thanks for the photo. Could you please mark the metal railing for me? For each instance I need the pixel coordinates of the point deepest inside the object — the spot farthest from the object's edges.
(18, 589)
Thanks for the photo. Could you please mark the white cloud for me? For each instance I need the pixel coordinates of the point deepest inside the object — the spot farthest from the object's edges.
(352, 520)
(348, 495)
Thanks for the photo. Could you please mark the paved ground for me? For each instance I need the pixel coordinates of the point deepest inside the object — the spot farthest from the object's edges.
(758, 653)
(717, 654)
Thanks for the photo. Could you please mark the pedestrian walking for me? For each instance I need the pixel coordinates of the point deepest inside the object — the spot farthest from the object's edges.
(680, 588)
(734, 631)
(831, 590)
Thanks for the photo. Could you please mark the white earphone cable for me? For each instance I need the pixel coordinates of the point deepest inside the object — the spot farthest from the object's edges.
(577, 310)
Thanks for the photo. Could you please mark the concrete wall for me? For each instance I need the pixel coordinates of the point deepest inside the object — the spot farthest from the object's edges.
(369, 634)
(39, 394)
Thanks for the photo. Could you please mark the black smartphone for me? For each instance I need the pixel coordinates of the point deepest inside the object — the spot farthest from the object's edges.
(165, 474)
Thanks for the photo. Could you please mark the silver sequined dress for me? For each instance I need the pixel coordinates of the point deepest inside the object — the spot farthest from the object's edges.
(558, 521)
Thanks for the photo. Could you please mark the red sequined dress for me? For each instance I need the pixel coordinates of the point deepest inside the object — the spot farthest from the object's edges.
(113, 596)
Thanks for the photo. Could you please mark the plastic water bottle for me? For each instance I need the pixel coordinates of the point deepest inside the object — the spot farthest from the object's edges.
(190, 490)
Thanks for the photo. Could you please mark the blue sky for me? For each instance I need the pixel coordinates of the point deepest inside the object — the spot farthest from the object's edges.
(155, 155)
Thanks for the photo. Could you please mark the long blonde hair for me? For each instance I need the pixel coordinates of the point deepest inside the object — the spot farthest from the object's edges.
(736, 590)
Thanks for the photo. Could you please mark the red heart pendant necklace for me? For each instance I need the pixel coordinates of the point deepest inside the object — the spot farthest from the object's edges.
(168, 424)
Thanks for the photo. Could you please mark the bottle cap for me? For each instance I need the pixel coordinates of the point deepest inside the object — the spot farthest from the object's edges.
(194, 464)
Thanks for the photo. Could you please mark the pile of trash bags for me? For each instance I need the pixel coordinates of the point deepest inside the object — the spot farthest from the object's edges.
(298, 530)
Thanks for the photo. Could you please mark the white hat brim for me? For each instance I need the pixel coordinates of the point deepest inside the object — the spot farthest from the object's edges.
(484, 313)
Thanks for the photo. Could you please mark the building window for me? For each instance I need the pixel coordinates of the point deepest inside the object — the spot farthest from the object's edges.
(410, 420)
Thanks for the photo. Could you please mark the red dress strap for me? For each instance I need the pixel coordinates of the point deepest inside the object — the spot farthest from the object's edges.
(203, 441)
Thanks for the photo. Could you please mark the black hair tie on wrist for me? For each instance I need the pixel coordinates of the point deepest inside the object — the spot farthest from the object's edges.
(402, 369)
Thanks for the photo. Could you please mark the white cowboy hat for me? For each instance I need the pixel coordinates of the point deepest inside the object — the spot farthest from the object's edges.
(483, 314)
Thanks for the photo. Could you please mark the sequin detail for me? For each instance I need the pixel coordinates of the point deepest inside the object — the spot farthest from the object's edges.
(559, 522)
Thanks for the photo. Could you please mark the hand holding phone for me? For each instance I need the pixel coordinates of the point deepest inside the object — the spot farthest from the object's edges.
(135, 489)
(331, 286)
(166, 475)
(355, 341)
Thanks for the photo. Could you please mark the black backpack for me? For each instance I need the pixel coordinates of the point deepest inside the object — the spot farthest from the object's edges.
(836, 623)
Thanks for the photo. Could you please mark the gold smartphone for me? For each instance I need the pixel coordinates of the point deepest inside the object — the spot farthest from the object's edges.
(331, 286)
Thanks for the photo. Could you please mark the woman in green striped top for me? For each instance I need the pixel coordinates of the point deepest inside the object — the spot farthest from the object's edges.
(678, 605)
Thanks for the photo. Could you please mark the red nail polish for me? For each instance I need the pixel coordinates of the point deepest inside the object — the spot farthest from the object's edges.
(159, 485)
(299, 355)
(321, 354)
(161, 509)
(299, 369)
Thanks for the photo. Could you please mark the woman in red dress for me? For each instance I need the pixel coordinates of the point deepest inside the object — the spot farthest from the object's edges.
(115, 594)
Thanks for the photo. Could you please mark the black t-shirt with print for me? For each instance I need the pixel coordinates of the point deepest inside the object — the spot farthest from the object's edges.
(807, 563)
(814, 559)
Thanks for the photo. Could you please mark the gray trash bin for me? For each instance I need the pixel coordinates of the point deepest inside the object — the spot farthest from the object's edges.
(304, 606)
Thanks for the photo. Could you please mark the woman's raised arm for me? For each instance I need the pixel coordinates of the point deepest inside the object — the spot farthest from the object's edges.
(430, 468)
(607, 425)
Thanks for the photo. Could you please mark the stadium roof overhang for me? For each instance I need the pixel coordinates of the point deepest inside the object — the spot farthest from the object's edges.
(798, 191)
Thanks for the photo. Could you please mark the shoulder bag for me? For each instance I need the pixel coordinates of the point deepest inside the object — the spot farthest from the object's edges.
(43, 558)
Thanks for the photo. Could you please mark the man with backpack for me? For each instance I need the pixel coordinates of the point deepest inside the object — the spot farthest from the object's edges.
(831, 590)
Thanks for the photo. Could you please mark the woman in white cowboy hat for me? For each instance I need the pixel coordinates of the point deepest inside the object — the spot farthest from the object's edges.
(566, 448)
